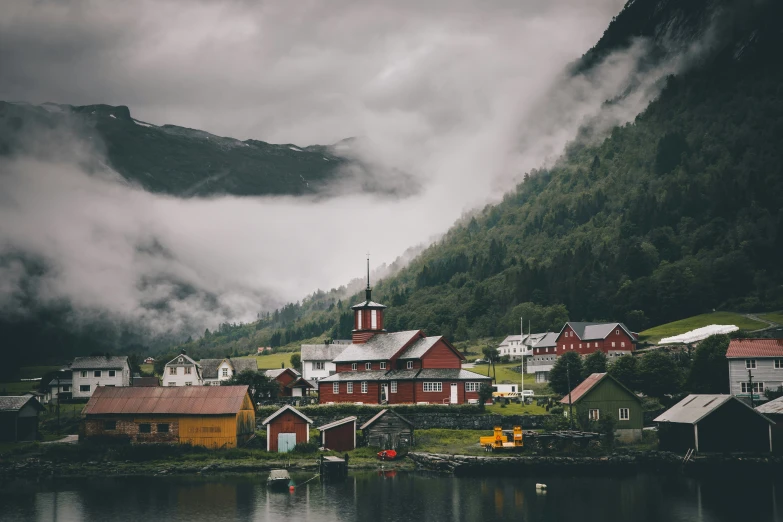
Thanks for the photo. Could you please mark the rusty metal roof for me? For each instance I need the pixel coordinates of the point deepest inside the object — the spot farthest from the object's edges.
(584, 387)
(755, 348)
(168, 400)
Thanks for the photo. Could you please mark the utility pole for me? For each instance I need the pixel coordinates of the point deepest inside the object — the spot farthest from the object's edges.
(570, 404)
(58, 402)
(750, 387)
(522, 360)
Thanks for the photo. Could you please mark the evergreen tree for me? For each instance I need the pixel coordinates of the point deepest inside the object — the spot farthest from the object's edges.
(626, 370)
(567, 367)
(658, 374)
(710, 370)
(595, 363)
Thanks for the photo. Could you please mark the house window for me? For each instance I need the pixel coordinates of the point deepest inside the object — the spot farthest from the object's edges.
(758, 387)
(145, 428)
(594, 415)
(359, 320)
(617, 332)
(225, 372)
(625, 414)
(353, 367)
(318, 365)
(368, 366)
(778, 364)
(580, 346)
(383, 366)
(349, 387)
(364, 386)
(66, 388)
(750, 363)
(336, 388)
(110, 425)
(84, 388)
(172, 370)
(84, 373)
(189, 383)
(374, 319)
(433, 386)
(409, 365)
(96, 373)
(163, 428)
(172, 384)
(472, 386)
(112, 373)
(394, 387)
(180, 360)
(622, 344)
(187, 370)
(612, 344)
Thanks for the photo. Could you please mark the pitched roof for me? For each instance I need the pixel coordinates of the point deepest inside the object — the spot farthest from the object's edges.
(17, 402)
(449, 373)
(337, 423)
(209, 367)
(592, 331)
(375, 375)
(693, 408)
(186, 360)
(455, 374)
(379, 347)
(591, 382)
(368, 304)
(772, 407)
(755, 348)
(244, 364)
(381, 414)
(420, 347)
(177, 400)
(300, 383)
(100, 362)
(285, 408)
(274, 374)
(526, 339)
(549, 340)
(322, 352)
(62, 381)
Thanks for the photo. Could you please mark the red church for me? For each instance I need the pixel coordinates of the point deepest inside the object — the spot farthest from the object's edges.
(400, 367)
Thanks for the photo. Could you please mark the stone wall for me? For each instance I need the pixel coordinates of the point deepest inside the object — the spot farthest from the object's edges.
(129, 429)
(446, 420)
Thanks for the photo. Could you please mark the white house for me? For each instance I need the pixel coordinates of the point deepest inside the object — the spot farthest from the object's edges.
(542, 364)
(762, 359)
(519, 346)
(317, 359)
(91, 372)
(59, 389)
(182, 371)
(214, 371)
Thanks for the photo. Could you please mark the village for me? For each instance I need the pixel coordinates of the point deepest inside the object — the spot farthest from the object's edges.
(382, 396)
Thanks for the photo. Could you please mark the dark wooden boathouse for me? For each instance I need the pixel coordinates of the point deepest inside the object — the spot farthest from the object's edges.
(388, 430)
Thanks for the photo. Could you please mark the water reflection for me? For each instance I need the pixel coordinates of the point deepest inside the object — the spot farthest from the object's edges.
(394, 497)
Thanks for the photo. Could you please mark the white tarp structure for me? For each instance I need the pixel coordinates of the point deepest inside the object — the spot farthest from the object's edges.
(699, 333)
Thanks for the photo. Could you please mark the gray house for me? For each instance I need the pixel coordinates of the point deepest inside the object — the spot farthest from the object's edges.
(19, 418)
(91, 372)
(763, 358)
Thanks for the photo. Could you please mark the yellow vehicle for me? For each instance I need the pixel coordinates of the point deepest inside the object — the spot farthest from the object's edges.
(497, 441)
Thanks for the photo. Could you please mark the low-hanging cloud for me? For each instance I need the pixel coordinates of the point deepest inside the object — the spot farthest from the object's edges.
(463, 97)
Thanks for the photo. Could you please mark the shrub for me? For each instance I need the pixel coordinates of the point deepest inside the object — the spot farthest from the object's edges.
(306, 447)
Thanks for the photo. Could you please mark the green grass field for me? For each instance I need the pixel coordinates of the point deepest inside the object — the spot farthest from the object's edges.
(775, 317)
(517, 409)
(269, 362)
(147, 368)
(17, 388)
(32, 372)
(654, 335)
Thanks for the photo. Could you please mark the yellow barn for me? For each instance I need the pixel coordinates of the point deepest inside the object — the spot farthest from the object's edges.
(210, 416)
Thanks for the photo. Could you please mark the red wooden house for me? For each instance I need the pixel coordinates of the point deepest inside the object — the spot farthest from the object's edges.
(286, 428)
(286, 377)
(339, 435)
(400, 367)
(614, 339)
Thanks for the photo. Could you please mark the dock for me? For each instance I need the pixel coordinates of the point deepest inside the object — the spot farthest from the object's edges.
(333, 468)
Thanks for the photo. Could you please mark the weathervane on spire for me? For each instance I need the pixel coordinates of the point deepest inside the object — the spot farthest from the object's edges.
(368, 290)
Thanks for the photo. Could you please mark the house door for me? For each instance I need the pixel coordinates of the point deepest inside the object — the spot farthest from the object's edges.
(384, 393)
(285, 442)
(453, 399)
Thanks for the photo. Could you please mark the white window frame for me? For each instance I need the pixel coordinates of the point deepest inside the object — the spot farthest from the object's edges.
(750, 364)
(172, 383)
(84, 374)
(594, 414)
(318, 365)
(758, 387)
(368, 366)
(112, 373)
(359, 320)
(96, 373)
(188, 370)
(353, 366)
(393, 387)
(409, 365)
(349, 387)
(188, 383)
(617, 332)
(84, 388)
(472, 386)
(172, 370)
(335, 388)
(364, 386)
(433, 387)
(624, 414)
(612, 344)
(779, 364)
(374, 319)
(622, 344)
(225, 372)
(383, 366)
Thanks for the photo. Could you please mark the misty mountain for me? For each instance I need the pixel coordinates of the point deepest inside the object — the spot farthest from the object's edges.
(180, 161)
(674, 214)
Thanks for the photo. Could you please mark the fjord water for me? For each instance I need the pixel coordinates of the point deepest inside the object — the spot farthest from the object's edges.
(371, 496)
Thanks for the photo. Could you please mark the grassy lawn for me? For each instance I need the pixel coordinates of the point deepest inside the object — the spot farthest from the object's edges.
(32, 372)
(17, 388)
(775, 317)
(148, 369)
(686, 325)
(272, 361)
(517, 409)
(450, 441)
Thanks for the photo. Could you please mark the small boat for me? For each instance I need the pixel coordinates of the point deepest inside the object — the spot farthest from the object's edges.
(392, 454)
(279, 479)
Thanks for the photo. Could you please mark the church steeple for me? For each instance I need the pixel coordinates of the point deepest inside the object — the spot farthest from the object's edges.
(367, 316)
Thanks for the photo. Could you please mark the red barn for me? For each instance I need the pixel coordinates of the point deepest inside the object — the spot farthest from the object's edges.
(286, 428)
(286, 377)
(614, 339)
(339, 435)
(400, 367)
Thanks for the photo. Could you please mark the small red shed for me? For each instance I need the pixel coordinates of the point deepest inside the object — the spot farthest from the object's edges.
(286, 428)
(339, 435)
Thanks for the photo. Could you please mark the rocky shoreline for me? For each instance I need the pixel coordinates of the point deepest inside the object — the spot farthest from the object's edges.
(617, 463)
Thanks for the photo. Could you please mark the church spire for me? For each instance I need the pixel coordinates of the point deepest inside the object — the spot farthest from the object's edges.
(368, 316)
(368, 290)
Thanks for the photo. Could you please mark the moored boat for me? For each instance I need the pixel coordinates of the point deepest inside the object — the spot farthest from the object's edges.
(279, 479)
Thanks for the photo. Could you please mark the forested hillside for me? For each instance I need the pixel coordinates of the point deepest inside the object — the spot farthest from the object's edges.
(672, 215)
(171, 159)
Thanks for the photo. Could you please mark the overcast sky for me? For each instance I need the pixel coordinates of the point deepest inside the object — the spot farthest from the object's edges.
(464, 96)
